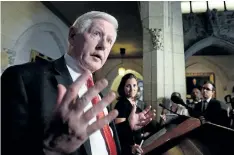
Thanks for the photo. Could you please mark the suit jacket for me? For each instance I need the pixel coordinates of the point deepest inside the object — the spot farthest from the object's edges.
(29, 93)
(216, 112)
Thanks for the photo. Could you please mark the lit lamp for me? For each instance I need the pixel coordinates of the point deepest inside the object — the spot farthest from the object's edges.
(121, 69)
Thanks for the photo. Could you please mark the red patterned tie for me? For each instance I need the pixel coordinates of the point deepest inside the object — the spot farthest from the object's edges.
(106, 132)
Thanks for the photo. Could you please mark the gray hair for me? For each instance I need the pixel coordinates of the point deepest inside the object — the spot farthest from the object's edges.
(83, 22)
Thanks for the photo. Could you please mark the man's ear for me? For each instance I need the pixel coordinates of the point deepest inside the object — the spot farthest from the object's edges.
(72, 34)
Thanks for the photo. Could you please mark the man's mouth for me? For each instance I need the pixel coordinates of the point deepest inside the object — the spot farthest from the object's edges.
(97, 56)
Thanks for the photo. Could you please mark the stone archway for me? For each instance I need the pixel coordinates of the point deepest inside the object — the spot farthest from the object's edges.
(117, 79)
(111, 73)
(209, 41)
(23, 49)
(110, 70)
(220, 76)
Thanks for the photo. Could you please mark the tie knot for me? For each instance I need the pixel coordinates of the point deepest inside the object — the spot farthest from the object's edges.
(90, 82)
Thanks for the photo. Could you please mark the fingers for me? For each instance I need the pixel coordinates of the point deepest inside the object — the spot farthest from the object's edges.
(73, 89)
(97, 108)
(146, 110)
(150, 114)
(61, 92)
(163, 117)
(137, 149)
(101, 122)
(144, 122)
(91, 93)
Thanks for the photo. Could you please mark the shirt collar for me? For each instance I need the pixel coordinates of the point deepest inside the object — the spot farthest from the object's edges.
(71, 62)
(208, 100)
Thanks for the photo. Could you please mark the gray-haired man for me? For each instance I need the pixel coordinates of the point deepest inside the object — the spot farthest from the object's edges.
(49, 109)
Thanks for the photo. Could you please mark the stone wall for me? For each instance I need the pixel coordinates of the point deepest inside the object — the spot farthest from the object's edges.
(30, 26)
(221, 66)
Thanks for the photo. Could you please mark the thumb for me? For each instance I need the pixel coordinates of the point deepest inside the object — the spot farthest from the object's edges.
(61, 92)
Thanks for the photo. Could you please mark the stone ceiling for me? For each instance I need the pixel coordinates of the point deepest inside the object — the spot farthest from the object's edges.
(130, 28)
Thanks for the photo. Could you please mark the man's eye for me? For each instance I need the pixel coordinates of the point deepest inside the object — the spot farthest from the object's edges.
(109, 41)
(96, 33)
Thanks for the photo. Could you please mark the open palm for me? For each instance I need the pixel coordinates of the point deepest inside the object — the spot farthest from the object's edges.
(139, 120)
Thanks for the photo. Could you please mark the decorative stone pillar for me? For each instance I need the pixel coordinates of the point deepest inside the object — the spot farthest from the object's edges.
(163, 51)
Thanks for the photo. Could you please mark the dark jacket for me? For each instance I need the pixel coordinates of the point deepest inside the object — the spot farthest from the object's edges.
(29, 93)
(128, 137)
(216, 112)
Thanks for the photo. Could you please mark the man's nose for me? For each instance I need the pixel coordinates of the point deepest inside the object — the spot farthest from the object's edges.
(102, 44)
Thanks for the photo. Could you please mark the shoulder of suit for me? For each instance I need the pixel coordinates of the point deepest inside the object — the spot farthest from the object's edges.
(27, 70)
(198, 105)
(219, 103)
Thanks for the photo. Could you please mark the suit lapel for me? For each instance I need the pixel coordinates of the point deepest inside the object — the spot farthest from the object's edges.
(87, 147)
(63, 77)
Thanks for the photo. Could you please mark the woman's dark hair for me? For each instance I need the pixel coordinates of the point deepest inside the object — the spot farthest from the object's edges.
(122, 84)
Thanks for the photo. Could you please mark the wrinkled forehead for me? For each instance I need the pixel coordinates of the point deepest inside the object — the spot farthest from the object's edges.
(105, 26)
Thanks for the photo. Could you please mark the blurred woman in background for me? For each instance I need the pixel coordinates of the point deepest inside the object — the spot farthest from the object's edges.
(128, 99)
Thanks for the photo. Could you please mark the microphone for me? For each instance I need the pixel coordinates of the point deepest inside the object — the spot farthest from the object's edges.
(178, 100)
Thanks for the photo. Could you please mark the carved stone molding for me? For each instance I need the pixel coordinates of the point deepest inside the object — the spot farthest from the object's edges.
(11, 55)
(157, 38)
(213, 23)
(8, 58)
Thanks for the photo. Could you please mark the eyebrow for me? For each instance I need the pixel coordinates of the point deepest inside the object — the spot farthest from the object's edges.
(100, 28)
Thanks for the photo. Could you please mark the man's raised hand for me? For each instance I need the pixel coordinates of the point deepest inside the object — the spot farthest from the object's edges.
(70, 113)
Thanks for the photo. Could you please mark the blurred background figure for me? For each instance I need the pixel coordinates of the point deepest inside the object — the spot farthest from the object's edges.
(229, 99)
(175, 105)
(140, 91)
(196, 97)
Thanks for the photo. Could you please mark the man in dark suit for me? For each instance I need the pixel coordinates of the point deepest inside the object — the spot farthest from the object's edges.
(213, 110)
(54, 108)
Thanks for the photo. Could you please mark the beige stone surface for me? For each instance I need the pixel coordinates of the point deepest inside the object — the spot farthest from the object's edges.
(167, 64)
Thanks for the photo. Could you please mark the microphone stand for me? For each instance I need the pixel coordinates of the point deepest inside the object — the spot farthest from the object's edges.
(202, 119)
(170, 110)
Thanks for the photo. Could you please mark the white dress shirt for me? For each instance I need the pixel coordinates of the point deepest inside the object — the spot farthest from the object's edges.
(208, 100)
(97, 142)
